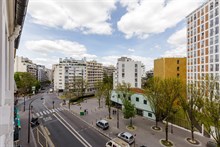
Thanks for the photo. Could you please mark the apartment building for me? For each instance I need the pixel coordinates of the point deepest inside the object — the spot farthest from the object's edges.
(12, 15)
(94, 74)
(170, 68)
(23, 64)
(42, 73)
(108, 70)
(203, 42)
(128, 71)
(68, 72)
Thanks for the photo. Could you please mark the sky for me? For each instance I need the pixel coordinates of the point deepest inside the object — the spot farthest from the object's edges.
(105, 30)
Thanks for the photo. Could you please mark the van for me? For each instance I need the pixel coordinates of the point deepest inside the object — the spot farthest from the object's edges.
(116, 142)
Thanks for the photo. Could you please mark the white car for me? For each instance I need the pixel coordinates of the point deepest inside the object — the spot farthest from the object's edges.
(102, 124)
(127, 137)
(116, 142)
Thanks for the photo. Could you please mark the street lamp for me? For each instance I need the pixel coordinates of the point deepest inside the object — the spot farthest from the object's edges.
(117, 113)
(29, 118)
(24, 103)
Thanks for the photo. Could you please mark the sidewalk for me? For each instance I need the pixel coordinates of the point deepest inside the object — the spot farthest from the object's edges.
(144, 134)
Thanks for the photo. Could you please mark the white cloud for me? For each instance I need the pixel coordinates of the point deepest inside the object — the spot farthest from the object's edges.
(146, 17)
(112, 60)
(131, 50)
(60, 48)
(177, 42)
(90, 17)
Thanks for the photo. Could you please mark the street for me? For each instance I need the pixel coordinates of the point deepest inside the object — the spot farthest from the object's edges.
(62, 127)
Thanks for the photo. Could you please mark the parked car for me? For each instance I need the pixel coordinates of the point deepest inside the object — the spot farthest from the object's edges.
(211, 144)
(116, 142)
(127, 137)
(102, 124)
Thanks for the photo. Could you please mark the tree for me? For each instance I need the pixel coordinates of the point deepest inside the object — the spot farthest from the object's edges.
(153, 93)
(129, 110)
(107, 96)
(209, 108)
(190, 108)
(99, 91)
(171, 91)
(25, 81)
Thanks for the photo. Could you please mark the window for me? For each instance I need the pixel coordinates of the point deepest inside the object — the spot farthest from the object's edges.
(136, 65)
(211, 58)
(135, 74)
(211, 49)
(118, 95)
(136, 70)
(145, 102)
(178, 61)
(216, 11)
(211, 14)
(211, 67)
(211, 23)
(150, 114)
(216, 48)
(211, 41)
(137, 99)
(216, 30)
(123, 70)
(216, 3)
(216, 21)
(211, 6)
(123, 65)
(123, 75)
(178, 75)
(129, 98)
(216, 39)
(178, 68)
(216, 67)
(136, 85)
(217, 58)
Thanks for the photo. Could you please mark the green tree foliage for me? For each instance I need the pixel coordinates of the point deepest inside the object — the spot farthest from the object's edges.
(129, 110)
(154, 96)
(171, 91)
(25, 81)
(208, 108)
(124, 89)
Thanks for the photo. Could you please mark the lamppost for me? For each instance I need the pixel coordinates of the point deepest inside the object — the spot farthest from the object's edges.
(29, 118)
(24, 103)
(53, 104)
(117, 113)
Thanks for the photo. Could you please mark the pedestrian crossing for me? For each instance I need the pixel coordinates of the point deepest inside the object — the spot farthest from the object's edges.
(46, 112)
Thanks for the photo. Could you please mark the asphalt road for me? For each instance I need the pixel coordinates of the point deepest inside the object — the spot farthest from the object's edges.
(64, 128)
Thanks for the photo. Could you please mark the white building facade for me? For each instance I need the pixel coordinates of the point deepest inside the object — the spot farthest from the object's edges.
(10, 29)
(128, 71)
(67, 72)
(203, 42)
(23, 64)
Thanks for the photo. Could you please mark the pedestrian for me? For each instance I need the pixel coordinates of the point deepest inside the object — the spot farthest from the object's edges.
(85, 111)
(113, 112)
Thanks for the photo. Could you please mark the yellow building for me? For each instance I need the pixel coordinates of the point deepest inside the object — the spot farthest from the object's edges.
(170, 68)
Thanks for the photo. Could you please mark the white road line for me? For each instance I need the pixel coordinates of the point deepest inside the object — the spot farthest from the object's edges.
(50, 111)
(37, 114)
(89, 145)
(53, 110)
(81, 140)
(59, 109)
(56, 110)
(44, 112)
(41, 113)
(47, 112)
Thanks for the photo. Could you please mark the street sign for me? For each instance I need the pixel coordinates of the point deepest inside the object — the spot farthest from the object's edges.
(33, 88)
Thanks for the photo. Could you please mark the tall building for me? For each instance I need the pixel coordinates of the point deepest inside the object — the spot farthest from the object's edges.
(170, 68)
(94, 74)
(23, 64)
(108, 70)
(203, 42)
(12, 15)
(41, 73)
(128, 71)
(67, 72)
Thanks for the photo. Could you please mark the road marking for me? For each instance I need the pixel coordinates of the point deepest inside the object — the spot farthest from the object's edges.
(50, 111)
(47, 111)
(53, 110)
(74, 130)
(56, 110)
(81, 140)
(41, 113)
(37, 114)
(44, 112)
(59, 109)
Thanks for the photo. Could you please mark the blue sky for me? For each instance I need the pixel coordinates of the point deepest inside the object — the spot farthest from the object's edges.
(105, 30)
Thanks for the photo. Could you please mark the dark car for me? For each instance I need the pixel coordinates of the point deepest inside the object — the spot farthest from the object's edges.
(34, 122)
(102, 124)
(211, 144)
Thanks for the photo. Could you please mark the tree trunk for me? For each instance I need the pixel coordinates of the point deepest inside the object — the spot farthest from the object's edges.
(109, 112)
(192, 131)
(131, 124)
(156, 122)
(99, 102)
(166, 130)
